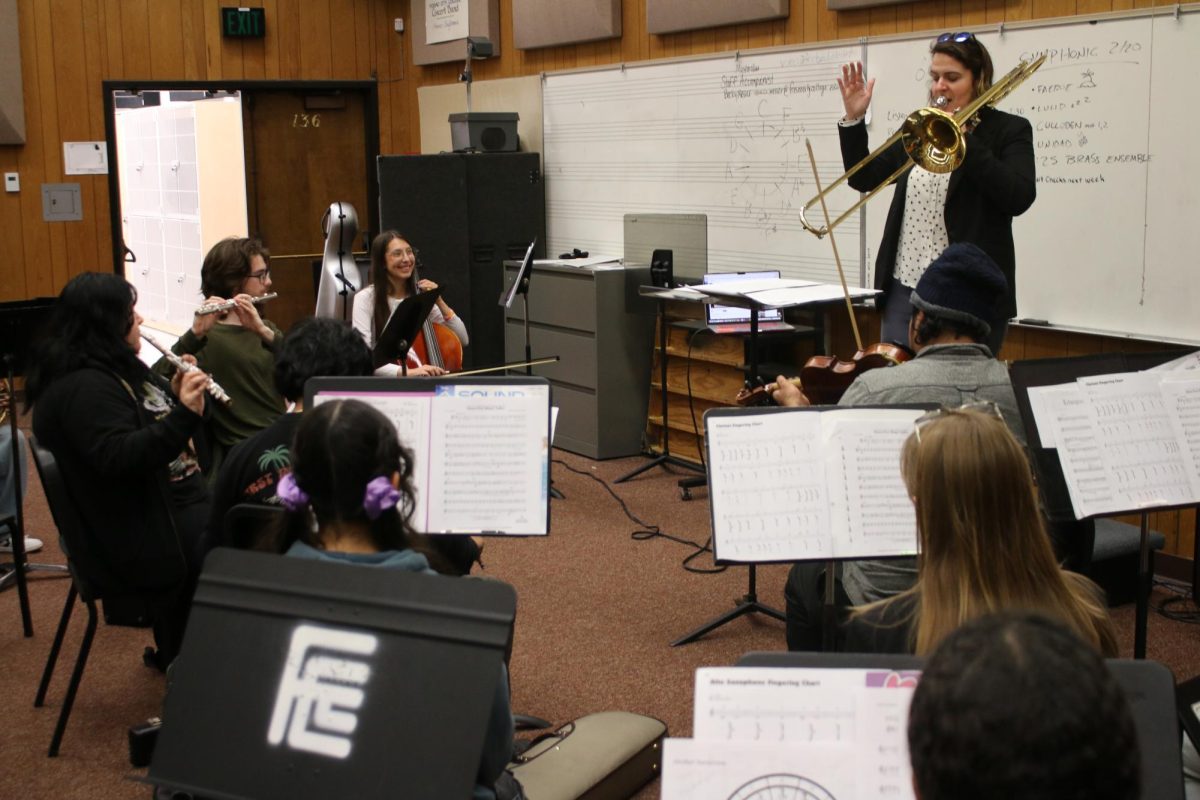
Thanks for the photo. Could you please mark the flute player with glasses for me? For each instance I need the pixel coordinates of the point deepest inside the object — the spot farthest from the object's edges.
(235, 345)
(974, 203)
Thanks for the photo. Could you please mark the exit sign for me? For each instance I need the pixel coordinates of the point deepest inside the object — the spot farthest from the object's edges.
(244, 23)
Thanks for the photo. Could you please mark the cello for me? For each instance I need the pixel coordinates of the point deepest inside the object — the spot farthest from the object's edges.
(824, 379)
(436, 344)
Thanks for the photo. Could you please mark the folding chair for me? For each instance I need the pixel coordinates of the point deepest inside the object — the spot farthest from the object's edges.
(84, 586)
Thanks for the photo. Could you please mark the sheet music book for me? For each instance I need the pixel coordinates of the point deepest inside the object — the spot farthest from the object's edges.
(781, 292)
(481, 447)
(796, 484)
(1126, 441)
(809, 733)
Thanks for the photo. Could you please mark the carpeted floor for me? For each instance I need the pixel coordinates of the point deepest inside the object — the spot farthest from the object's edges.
(597, 610)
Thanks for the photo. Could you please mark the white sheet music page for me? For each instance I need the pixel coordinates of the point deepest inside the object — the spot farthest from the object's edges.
(695, 769)
(490, 459)
(767, 486)
(1141, 452)
(1042, 407)
(1181, 395)
(409, 412)
(812, 713)
(871, 512)
(1079, 450)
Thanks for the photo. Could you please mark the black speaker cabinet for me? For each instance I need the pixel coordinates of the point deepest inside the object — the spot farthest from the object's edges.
(464, 214)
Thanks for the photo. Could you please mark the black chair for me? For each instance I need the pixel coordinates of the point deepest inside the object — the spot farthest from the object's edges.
(133, 609)
(246, 523)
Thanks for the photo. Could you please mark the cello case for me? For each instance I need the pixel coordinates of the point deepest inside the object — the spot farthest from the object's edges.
(341, 276)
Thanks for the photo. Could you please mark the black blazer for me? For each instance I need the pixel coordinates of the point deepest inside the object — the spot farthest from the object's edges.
(995, 183)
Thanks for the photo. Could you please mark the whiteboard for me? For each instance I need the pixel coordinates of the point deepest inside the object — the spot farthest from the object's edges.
(722, 136)
(1111, 244)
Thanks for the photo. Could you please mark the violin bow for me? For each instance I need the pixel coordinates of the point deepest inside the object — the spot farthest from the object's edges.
(837, 259)
(511, 365)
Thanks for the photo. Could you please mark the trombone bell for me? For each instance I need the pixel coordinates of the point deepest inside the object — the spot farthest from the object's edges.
(933, 140)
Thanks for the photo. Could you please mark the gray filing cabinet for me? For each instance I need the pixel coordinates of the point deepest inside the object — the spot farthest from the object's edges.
(603, 332)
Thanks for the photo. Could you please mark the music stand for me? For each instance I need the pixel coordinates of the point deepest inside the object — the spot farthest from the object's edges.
(1148, 686)
(305, 678)
(20, 322)
(520, 286)
(1051, 483)
(401, 329)
(662, 273)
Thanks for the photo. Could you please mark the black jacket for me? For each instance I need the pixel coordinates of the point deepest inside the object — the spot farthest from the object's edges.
(114, 460)
(995, 183)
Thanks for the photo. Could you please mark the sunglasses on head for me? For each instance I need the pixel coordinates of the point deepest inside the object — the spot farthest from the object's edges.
(960, 37)
(983, 406)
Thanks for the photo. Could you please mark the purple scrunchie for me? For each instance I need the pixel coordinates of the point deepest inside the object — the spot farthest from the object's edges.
(290, 494)
(379, 496)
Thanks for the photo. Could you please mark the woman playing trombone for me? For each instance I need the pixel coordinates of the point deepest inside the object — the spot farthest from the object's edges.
(974, 203)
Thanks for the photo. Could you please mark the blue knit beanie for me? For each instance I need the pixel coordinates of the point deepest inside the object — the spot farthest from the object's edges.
(963, 284)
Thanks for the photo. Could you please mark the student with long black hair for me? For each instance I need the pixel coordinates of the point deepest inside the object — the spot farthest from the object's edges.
(123, 438)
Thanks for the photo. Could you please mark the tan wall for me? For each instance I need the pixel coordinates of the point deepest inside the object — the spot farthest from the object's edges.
(69, 46)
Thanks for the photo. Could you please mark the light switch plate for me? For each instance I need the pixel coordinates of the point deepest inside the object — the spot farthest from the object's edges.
(12, 182)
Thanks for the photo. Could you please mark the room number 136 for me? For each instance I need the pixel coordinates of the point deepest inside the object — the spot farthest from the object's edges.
(306, 120)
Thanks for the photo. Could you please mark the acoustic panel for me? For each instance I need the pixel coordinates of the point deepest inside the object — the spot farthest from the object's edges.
(671, 16)
(483, 19)
(522, 95)
(12, 97)
(545, 23)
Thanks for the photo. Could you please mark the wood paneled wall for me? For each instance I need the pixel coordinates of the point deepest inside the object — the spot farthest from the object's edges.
(69, 46)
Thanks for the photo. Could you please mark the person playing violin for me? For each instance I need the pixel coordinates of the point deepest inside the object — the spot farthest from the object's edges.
(951, 306)
(394, 278)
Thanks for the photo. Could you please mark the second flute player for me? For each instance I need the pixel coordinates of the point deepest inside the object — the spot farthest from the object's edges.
(236, 347)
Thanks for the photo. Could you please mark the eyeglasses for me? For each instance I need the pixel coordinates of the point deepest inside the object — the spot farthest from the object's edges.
(960, 37)
(261, 275)
(408, 251)
(982, 406)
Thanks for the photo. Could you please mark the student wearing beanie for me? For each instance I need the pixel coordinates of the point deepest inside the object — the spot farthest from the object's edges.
(952, 308)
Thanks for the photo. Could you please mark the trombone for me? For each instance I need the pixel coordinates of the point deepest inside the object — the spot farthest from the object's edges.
(932, 139)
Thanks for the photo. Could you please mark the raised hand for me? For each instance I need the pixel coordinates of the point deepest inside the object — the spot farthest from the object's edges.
(856, 90)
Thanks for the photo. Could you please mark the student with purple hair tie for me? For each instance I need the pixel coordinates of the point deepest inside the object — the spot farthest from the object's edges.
(349, 497)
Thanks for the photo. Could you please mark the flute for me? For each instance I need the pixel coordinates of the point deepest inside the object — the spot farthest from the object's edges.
(217, 308)
(211, 386)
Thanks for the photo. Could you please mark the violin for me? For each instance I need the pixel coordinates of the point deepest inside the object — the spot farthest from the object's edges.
(436, 344)
(824, 379)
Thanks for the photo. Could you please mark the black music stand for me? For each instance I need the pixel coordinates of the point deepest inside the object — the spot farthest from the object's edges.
(749, 602)
(665, 459)
(1056, 496)
(520, 286)
(401, 329)
(304, 678)
(20, 321)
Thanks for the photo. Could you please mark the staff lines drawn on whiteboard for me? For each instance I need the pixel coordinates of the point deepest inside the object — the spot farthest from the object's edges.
(781, 786)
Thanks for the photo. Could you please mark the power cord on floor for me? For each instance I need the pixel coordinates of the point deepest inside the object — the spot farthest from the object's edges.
(1182, 594)
(649, 531)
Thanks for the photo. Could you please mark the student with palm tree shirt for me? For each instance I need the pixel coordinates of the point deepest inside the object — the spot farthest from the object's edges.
(252, 470)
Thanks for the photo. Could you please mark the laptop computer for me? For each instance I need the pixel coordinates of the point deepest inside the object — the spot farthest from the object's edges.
(302, 678)
(734, 319)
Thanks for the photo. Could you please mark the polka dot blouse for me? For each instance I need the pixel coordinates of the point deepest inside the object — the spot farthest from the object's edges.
(923, 231)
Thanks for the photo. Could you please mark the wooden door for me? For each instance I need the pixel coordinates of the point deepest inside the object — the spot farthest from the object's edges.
(304, 150)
